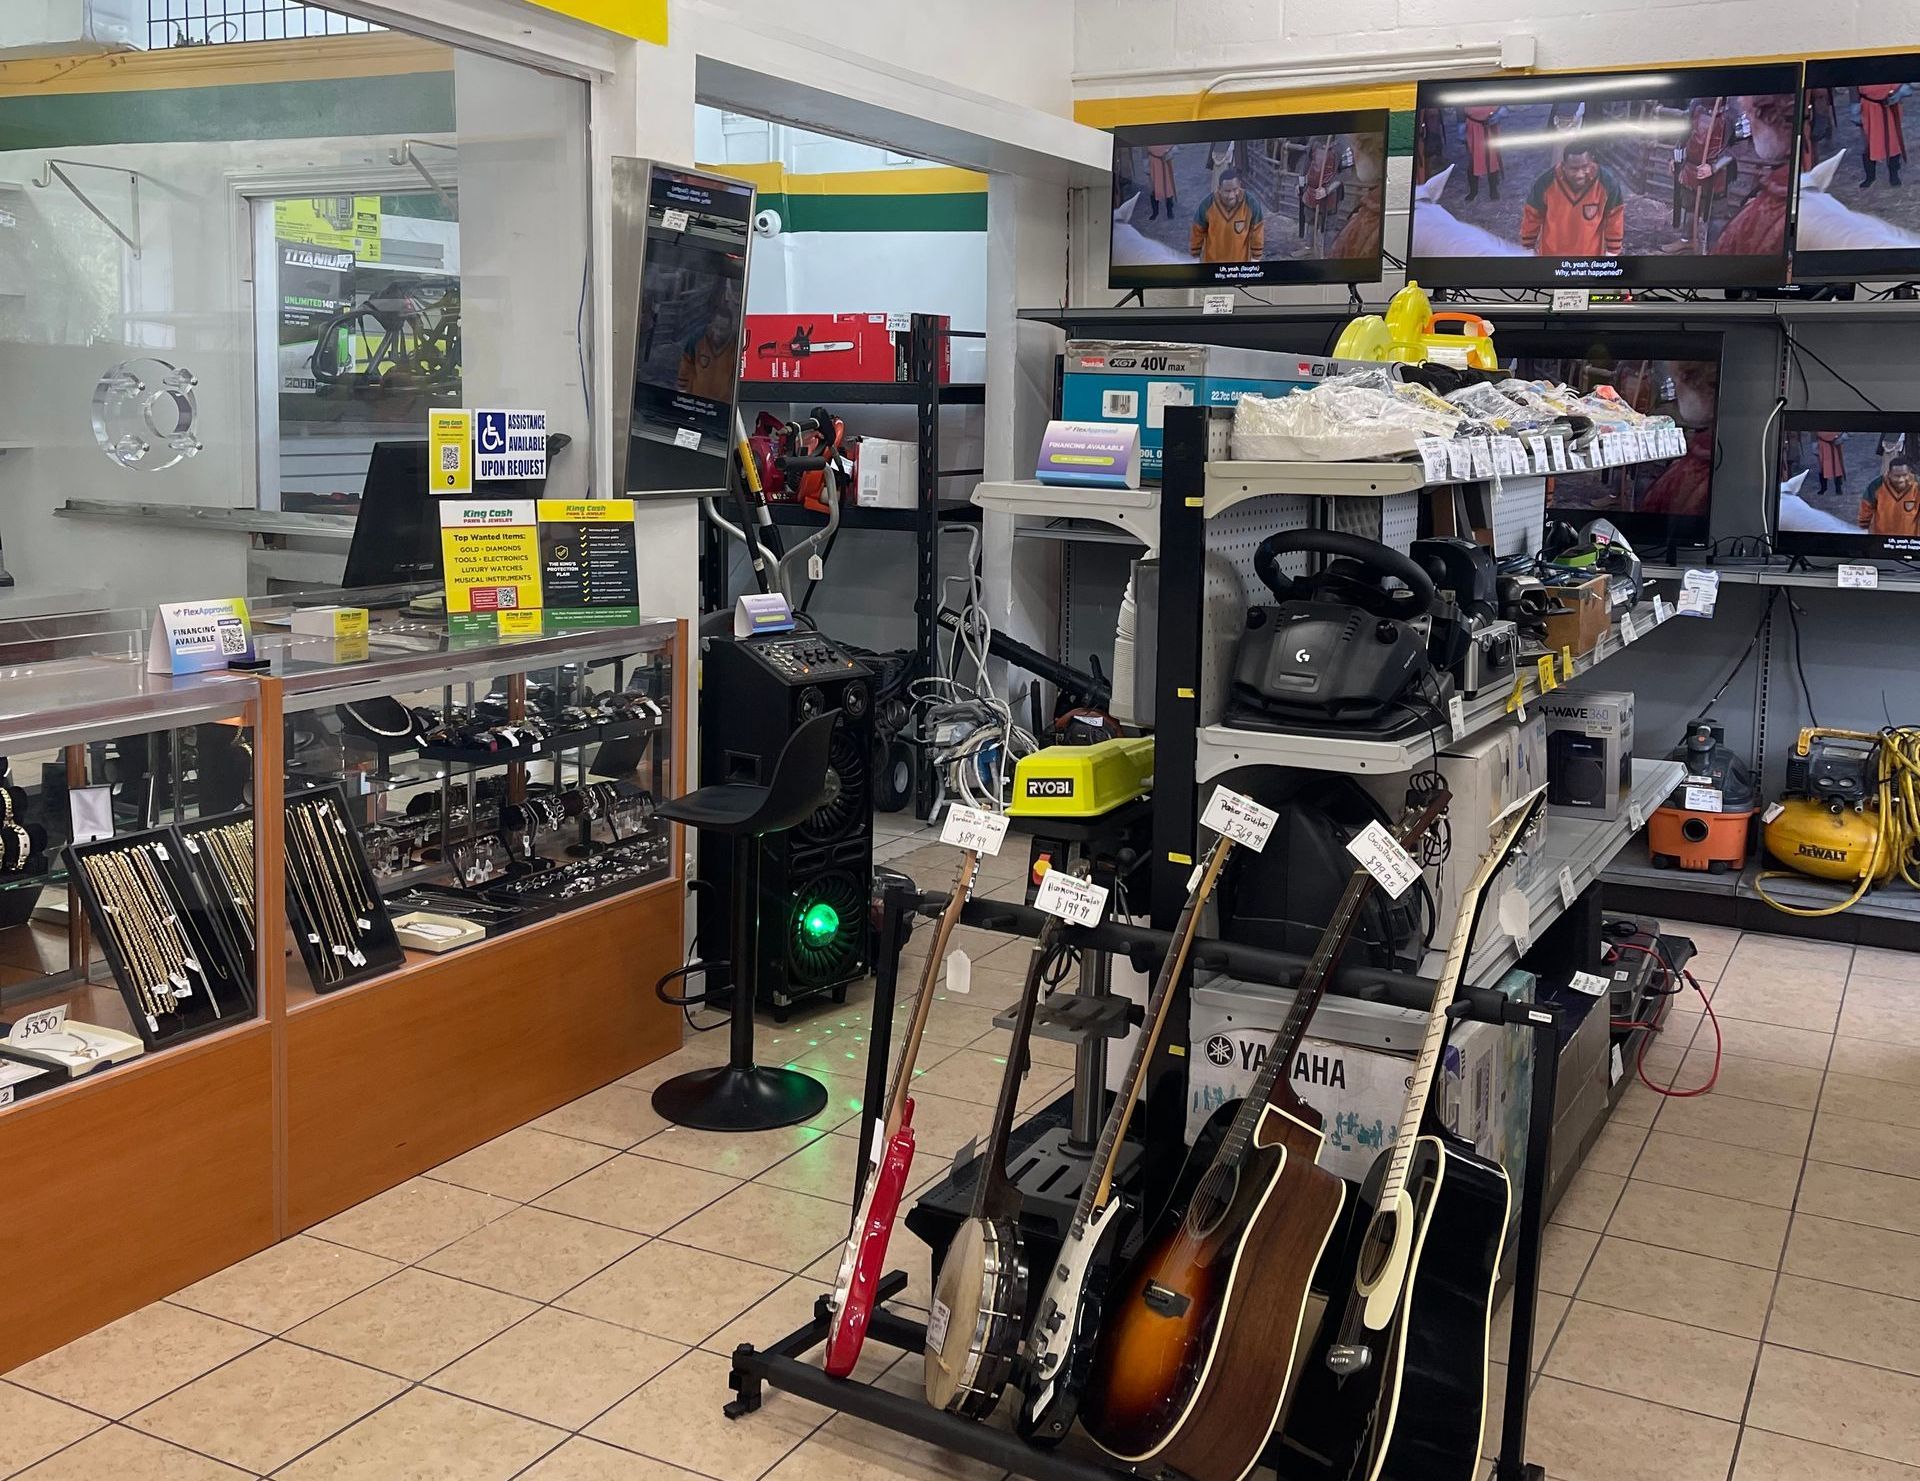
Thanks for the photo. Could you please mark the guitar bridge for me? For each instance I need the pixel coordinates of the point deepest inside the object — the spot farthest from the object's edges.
(1163, 1302)
(1348, 1358)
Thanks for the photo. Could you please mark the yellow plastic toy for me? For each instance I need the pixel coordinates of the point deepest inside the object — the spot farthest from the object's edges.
(1410, 332)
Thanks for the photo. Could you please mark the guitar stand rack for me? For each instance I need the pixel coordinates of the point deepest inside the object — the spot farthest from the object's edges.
(782, 1365)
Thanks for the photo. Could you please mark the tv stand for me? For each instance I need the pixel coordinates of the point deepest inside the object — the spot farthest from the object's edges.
(1133, 295)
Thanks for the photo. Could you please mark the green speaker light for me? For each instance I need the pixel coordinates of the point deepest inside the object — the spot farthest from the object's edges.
(821, 923)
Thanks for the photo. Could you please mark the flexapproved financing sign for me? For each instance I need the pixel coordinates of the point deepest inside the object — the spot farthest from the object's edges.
(509, 445)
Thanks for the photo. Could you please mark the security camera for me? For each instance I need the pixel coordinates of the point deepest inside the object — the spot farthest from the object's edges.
(767, 224)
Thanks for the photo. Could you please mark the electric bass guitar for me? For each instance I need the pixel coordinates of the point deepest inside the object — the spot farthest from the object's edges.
(1060, 1347)
(864, 1260)
(1198, 1347)
(980, 1298)
(1401, 1388)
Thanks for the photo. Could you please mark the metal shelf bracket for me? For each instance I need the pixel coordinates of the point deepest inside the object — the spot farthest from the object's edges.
(56, 169)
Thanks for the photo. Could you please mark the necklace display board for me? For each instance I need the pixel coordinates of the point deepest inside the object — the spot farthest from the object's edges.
(339, 920)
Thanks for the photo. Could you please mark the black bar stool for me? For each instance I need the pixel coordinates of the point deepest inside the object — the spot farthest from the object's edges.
(740, 1095)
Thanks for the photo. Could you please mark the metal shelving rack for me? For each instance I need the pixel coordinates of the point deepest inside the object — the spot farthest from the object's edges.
(924, 391)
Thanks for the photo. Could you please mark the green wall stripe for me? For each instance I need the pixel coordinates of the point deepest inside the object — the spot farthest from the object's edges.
(1400, 131)
(959, 211)
(414, 103)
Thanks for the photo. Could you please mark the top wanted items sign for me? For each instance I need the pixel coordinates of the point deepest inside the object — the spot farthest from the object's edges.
(510, 445)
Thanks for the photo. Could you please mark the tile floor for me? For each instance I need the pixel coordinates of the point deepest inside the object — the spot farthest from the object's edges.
(1732, 1287)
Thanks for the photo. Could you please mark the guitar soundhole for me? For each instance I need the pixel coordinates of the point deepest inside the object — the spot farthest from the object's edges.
(1378, 1247)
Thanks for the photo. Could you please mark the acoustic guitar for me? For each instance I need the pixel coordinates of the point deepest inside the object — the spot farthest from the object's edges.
(1198, 1346)
(864, 1259)
(1066, 1326)
(980, 1298)
(1401, 1391)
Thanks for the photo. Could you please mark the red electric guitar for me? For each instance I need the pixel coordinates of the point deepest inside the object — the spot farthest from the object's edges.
(864, 1260)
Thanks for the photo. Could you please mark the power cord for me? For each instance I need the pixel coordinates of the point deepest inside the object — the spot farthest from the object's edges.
(1671, 977)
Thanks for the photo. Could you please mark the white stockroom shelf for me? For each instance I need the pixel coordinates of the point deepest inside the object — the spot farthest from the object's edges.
(1134, 511)
(1222, 748)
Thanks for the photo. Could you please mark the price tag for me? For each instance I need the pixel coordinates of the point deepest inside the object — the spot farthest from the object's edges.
(1379, 852)
(1566, 664)
(39, 1025)
(899, 323)
(1571, 300)
(1544, 667)
(1517, 699)
(1077, 901)
(1661, 612)
(1557, 448)
(1863, 577)
(686, 437)
(1636, 816)
(6, 1095)
(1433, 459)
(816, 567)
(1459, 461)
(937, 1322)
(1773, 811)
(674, 220)
(1537, 445)
(1703, 799)
(1590, 983)
(1239, 818)
(1699, 592)
(1503, 464)
(959, 971)
(1628, 632)
(1616, 1067)
(975, 828)
(1217, 303)
(1569, 892)
(1480, 454)
(1457, 717)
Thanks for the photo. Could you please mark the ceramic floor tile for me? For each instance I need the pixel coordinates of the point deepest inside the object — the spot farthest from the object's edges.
(953, 1022)
(1583, 1434)
(1589, 1200)
(1547, 1313)
(285, 1284)
(1715, 1167)
(1881, 1023)
(411, 1221)
(127, 1455)
(521, 1165)
(412, 1323)
(638, 1193)
(1773, 1043)
(32, 1427)
(1765, 1457)
(1564, 1253)
(1637, 1107)
(667, 1290)
(1700, 1223)
(1842, 1322)
(699, 1052)
(588, 1460)
(130, 1363)
(1867, 991)
(1664, 1362)
(616, 1116)
(744, 1154)
(558, 1368)
(941, 1125)
(1885, 964)
(825, 1169)
(674, 1418)
(267, 1406)
(1855, 1254)
(1616, 1148)
(1760, 952)
(1837, 1403)
(1872, 1060)
(428, 1436)
(1877, 1145)
(1860, 1196)
(1678, 1286)
(786, 1310)
(768, 1225)
(845, 1096)
(533, 1253)
(907, 1254)
(1751, 1079)
(1738, 1123)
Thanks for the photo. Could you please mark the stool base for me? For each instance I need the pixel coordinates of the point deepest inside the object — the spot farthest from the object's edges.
(731, 1099)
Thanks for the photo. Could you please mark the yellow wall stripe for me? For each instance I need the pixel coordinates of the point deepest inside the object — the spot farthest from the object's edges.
(643, 20)
(776, 179)
(380, 54)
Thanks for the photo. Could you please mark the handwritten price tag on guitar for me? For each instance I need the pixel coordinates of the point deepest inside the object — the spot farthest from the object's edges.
(1379, 852)
(974, 828)
(1074, 900)
(1239, 818)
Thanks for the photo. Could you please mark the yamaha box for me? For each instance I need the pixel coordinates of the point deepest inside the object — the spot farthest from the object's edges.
(1126, 381)
(1589, 751)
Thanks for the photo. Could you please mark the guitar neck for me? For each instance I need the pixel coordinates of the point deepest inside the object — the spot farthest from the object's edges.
(994, 1194)
(1106, 1156)
(902, 1086)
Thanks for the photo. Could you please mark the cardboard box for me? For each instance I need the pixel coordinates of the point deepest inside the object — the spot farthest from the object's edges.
(886, 474)
(835, 347)
(1581, 618)
(1127, 381)
(1589, 751)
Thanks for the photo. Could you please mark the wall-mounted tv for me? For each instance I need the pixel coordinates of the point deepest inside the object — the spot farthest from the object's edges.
(1675, 178)
(1848, 485)
(1858, 217)
(1297, 198)
(1673, 375)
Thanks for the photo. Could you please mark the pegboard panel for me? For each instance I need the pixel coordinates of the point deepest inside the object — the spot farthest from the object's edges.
(1232, 587)
(1519, 515)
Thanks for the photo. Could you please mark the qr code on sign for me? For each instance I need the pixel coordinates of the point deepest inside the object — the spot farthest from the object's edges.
(450, 458)
(233, 638)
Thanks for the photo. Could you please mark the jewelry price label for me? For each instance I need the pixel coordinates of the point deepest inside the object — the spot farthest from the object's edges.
(974, 828)
(1239, 818)
(1379, 852)
(1074, 900)
(41, 1025)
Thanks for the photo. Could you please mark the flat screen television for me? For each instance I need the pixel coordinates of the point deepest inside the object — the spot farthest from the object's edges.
(1858, 214)
(1298, 198)
(1848, 485)
(1676, 178)
(1674, 375)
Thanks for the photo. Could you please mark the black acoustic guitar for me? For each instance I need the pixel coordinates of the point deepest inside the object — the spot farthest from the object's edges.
(1399, 1388)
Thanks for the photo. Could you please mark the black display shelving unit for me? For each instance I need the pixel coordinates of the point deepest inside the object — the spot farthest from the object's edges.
(923, 391)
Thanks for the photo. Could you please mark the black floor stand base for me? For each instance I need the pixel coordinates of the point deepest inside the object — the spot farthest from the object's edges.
(730, 1099)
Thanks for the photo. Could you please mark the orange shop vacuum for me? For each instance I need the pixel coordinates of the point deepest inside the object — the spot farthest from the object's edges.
(1706, 822)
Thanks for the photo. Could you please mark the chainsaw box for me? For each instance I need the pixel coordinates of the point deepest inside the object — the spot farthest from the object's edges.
(835, 347)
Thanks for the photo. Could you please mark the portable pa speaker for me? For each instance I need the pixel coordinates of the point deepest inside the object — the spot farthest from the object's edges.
(1576, 770)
